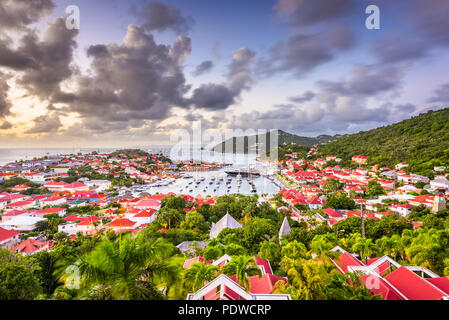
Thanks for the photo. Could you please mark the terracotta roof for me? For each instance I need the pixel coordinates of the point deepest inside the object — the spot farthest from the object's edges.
(29, 246)
(7, 234)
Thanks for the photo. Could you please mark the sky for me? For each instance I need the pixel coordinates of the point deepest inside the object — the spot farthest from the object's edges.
(137, 71)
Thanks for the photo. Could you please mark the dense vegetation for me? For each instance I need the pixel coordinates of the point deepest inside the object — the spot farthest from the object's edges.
(149, 266)
(284, 138)
(422, 142)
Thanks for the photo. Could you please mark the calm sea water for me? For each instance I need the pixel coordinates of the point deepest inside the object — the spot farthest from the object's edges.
(237, 161)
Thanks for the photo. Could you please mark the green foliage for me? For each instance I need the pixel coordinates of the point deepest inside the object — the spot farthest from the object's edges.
(422, 142)
(340, 202)
(17, 279)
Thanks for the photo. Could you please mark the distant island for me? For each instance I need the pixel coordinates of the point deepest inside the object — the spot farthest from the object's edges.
(256, 143)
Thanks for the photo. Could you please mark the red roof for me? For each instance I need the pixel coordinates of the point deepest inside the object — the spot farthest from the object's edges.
(413, 286)
(264, 285)
(332, 213)
(379, 286)
(441, 282)
(29, 246)
(121, 223)
(346, 260)
(51, 210)
(7, 234)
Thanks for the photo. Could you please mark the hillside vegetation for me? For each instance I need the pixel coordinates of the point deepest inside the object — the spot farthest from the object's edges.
(284, 138)
(422, 142)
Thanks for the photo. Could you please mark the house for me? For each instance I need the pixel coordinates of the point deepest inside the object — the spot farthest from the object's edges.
(11, 214)
(333, 214)
(60, 211)
(22, 223)
(99, 185)
(146, 204)
(226, 222)
(439, 184)
(403, 209)
(8, 238)
(401, 165)
(360, 159)
(85, 226)
(75, 186)
(121, 223)
(144, 216)
(21, 205)
(227, 288)
(31, 246)
(53, 201)
(20, 187)
(55, 186)
(391, 280)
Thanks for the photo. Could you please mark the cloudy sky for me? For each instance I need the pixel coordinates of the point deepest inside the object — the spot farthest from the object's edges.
(137, 70)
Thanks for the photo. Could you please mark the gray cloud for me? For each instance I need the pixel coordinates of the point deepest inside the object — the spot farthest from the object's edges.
(441, 94)
(221, 96)
(131, 82)
(157, 16)
(309, 12)
(213, 97)
(303, 52)
(307, 96)
(4, 102)
(45, 124)
(6, 125)
(51, 59)
(17, 14)
(203, 67)
(428, 25)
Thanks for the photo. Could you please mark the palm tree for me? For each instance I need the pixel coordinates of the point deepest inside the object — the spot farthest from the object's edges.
(309, 278)
(127, 268)
(321, 246)
(198, 273)
(365, 247)
(242, 267)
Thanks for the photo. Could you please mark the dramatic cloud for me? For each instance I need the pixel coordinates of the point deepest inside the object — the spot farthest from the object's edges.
(135, 80)
(4, 102)
(203, 67)
(428, 25)
(51, 59)
(157, 16)
(221, 96)
(213, 97)
(304, 50)
(17, 14)
(45, 124)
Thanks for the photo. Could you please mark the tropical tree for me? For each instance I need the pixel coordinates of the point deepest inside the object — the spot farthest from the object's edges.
(242, 267)
(365, 247)
(321, 246)
(429, 249)
(127, 268)
(197, 274)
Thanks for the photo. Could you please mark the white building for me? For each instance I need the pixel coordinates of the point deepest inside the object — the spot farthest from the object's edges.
(226, 222)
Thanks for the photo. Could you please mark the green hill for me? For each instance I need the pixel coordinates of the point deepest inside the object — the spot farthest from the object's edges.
(422, 142)
(284, 138)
